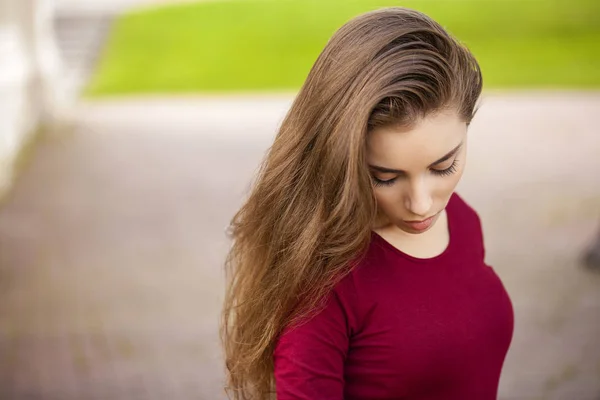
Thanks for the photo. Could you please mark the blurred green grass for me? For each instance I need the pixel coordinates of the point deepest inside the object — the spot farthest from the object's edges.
(270, 45)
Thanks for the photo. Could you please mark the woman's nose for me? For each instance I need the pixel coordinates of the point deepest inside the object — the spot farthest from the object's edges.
(419, 201)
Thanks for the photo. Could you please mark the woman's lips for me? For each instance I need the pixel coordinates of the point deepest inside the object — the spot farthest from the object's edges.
(420, 225)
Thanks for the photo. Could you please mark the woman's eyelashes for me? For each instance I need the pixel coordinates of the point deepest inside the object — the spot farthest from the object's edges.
(448, 171)
(438, 172)
(379, 182)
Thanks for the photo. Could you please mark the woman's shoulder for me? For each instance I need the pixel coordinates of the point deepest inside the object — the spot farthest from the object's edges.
(465, 219)
(466, 223)
(461, 208)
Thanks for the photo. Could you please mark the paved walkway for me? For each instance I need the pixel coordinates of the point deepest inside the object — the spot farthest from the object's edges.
(112, 242)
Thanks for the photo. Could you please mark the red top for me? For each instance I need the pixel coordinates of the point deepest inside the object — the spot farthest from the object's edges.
(403, 328)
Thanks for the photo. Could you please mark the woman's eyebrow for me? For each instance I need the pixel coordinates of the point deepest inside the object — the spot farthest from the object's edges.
(447, 156)
(399, 171)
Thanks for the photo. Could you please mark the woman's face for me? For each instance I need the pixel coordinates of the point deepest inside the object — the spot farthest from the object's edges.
(416, 169)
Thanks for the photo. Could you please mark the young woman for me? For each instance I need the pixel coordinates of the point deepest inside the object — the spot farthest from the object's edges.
(356, 272)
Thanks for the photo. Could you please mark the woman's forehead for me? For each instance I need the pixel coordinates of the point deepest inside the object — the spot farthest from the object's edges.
(429, 139)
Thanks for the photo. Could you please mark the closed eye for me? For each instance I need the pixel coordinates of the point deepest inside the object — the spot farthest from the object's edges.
(438, 172)
(445, 172)
(387, 182)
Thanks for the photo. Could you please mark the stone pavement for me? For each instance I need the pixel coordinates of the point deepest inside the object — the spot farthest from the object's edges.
(112, 242)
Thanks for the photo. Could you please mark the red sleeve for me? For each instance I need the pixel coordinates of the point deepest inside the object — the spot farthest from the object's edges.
(309, 358)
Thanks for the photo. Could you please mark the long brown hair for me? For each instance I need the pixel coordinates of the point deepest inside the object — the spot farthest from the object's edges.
(309, 216)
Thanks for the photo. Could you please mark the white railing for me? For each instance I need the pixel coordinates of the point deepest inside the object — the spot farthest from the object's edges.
(30, 77)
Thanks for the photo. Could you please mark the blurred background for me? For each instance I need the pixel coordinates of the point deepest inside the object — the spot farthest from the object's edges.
(130, 131)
